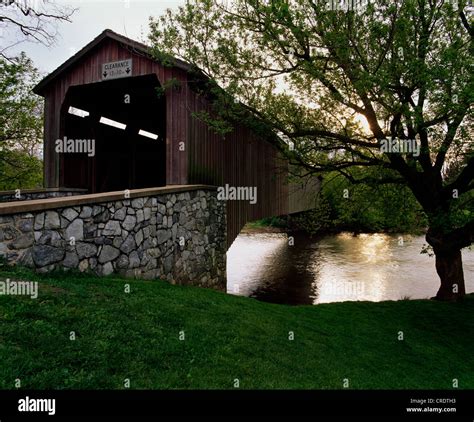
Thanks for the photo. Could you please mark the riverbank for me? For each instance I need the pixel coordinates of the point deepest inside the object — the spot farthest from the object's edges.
(84, 332)
(282, 225)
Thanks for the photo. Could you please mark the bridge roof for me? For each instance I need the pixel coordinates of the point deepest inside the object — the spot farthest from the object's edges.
(106, 34)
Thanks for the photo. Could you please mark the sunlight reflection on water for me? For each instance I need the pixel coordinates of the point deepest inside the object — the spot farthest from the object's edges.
(336, 268)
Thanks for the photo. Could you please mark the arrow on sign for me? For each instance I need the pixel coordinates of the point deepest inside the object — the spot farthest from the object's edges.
(128, 70)
(104, 74)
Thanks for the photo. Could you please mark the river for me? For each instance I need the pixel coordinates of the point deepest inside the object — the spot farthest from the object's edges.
(342, 267)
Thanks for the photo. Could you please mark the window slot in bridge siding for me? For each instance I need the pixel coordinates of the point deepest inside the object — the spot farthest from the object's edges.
(148, 134)
(77, 112)
(113, 123)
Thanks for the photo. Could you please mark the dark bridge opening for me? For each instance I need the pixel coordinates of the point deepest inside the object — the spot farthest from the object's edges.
(126, 119)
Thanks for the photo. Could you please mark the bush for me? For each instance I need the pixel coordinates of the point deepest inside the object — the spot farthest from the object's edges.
(362, 208)
(314, 221)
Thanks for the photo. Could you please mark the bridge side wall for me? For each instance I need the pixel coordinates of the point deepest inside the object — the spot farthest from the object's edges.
(240, 159)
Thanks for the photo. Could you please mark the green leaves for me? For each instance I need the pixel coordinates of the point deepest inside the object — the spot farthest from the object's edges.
(219, 126)
(21, 125)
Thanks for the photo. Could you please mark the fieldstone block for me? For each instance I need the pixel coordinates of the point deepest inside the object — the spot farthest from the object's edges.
(25, 224)
(24, 241)
(168, 264)
(120, 214)
(39, 221)
(134, 260)
(103, 217)
(108, 253)
(75, 230)
(45, 255)
(128, 244)
(112, 228)
(83, 265)
(129, 222)
(70, 214)
(106, 269)
(117, 241)
(162, 236)
(51, 220)
(139, 238)
(122, 262)
(86, 212)
(71, 260)
(96, 210)
(50, 237)
(154, 252)
(86, 250)
(138, 203)
(161, 209)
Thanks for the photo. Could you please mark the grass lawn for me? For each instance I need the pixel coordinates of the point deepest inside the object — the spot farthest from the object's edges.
(136, 336)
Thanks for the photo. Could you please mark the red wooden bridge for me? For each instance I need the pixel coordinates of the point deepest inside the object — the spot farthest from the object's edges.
(107, 92)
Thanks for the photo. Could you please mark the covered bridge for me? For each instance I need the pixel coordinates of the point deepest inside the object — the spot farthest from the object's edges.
(107, 92)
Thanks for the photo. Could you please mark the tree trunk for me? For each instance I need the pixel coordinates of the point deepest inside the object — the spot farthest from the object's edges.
(449, 269)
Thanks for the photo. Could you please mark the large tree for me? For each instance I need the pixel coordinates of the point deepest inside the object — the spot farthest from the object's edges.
(335, 84)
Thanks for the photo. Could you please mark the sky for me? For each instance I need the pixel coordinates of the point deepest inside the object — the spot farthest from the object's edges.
(126, 17)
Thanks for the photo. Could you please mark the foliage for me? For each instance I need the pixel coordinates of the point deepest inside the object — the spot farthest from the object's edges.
(375, 207)
(169, 84)
(318, 220)
(21, 125)
(19, 170)
(362, 207)
(218, 126)
(278, 222)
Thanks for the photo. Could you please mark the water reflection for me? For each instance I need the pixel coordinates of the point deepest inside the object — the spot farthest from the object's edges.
(336, 268)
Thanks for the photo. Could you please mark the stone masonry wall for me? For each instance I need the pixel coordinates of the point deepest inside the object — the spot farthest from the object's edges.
(179, 237)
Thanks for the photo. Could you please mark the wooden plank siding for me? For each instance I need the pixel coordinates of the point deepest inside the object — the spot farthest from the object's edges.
(303, 194)
(240, 159)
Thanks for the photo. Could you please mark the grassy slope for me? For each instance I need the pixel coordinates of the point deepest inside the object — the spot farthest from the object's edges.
(135, 336)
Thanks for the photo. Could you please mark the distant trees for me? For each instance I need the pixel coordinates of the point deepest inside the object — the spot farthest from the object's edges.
(21, 111)
(21, 125)
(363, 207)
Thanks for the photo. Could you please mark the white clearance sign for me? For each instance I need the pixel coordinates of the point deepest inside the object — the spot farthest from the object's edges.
(114, 70)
